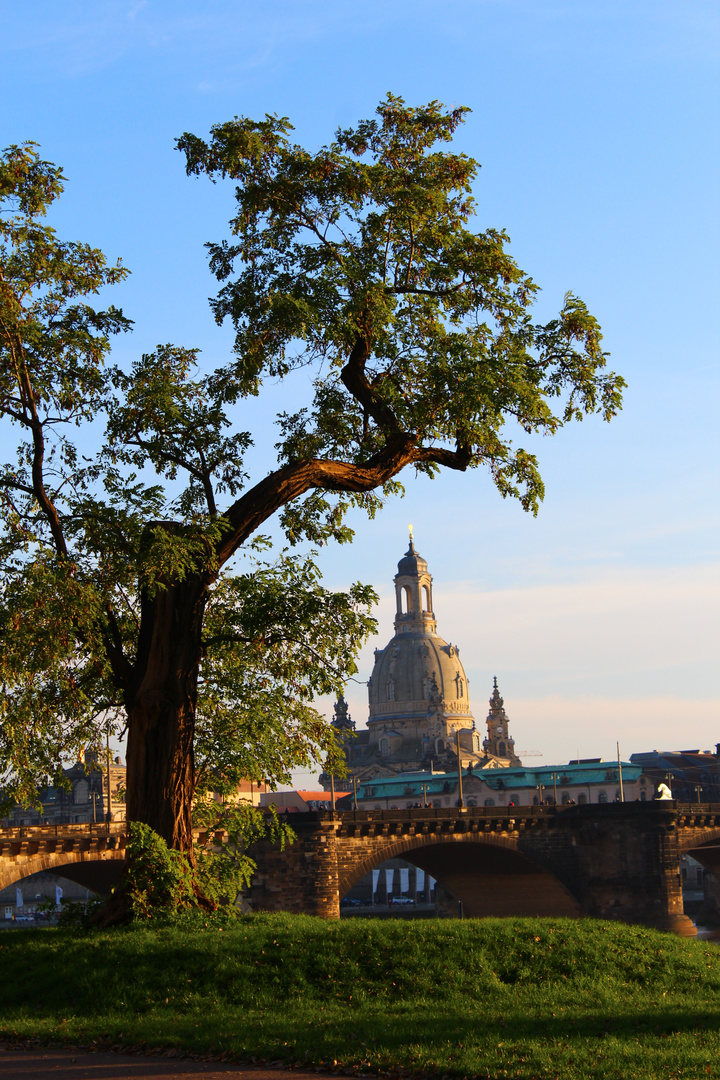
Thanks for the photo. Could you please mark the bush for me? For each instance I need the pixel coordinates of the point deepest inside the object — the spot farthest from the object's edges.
(161, 882)
(157, 879)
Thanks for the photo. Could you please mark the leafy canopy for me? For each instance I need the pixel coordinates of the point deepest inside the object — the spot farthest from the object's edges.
(93, 529)
(356, 262)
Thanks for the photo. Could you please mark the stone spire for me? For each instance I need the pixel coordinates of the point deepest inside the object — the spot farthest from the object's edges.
(342, 719)
(499, 743)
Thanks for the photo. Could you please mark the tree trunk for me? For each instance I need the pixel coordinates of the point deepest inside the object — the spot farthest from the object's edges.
(161, 712)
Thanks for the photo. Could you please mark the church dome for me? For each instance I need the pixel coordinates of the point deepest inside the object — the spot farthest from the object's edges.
(419, 717)
(418, 672)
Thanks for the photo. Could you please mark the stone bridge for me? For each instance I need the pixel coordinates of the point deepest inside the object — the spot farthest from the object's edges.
(617, 861)
(91, 855)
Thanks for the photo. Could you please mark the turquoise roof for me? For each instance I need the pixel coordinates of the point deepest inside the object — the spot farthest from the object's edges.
(409, 784)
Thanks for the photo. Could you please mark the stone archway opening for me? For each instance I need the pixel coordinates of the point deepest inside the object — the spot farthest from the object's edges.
(489, 879)
(495, 881)
(97, 871)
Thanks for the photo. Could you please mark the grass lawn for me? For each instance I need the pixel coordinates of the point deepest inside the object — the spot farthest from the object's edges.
(526, 998)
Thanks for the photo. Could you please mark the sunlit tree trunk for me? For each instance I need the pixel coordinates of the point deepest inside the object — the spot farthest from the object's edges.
(161, 713)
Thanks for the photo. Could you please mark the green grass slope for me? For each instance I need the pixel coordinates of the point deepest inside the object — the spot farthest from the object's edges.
(524, 998)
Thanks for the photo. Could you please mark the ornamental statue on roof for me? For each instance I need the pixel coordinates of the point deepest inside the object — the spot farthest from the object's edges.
(419, 704)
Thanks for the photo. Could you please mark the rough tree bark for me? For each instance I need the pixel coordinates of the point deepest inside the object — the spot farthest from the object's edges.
(161, 712)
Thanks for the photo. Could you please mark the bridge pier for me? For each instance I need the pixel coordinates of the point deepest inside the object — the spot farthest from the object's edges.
(629, 865)
(304, 877)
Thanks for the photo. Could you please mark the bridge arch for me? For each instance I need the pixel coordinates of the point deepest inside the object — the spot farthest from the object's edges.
(704, 848)
(491, 875)
(96, 870)
(697, 838)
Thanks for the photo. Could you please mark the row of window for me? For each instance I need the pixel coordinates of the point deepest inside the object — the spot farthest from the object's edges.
(440, 746)
(428, 687)
(566, 800)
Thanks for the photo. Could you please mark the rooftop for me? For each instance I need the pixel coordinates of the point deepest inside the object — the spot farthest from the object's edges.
(570, 775)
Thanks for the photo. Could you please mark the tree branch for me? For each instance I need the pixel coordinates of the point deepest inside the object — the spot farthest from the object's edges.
(355, 380)
(293, 480)
(32, 420)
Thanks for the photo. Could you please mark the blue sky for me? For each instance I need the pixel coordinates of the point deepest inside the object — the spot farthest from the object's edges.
(596, 124)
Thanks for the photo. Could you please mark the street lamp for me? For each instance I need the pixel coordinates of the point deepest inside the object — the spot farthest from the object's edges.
(460, 787)
(109, 789)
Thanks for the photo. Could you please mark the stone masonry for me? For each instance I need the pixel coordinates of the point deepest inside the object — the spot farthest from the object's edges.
(617, 861)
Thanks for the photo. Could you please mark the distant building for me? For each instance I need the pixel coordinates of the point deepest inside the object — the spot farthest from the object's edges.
(84, 799)
(691, 775)
(419, 702)
(247, 791)
(591, 781)
(297, 802)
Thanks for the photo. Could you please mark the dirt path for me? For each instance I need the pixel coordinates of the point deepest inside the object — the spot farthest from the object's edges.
(71, 1064)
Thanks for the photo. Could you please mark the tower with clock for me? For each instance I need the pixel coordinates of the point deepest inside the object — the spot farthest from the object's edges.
(499, 742)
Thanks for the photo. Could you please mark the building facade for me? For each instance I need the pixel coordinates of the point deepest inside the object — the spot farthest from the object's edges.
(83, 798)
(579, 782)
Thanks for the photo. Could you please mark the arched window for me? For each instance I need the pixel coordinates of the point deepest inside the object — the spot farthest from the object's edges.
(391, 690)
(602, 796)
(440, 745)
(582, 799)
(407, 598)
(80, 792)
(489, 802)
(643, 796)
(565, 798)
(476, 742)
(460, 687)
(426, 597)
(501, 749)
(384, 747)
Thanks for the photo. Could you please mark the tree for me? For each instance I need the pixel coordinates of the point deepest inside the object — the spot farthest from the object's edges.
(120, 583)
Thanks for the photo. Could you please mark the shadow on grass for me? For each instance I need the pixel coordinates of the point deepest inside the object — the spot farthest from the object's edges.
(645, 1045)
